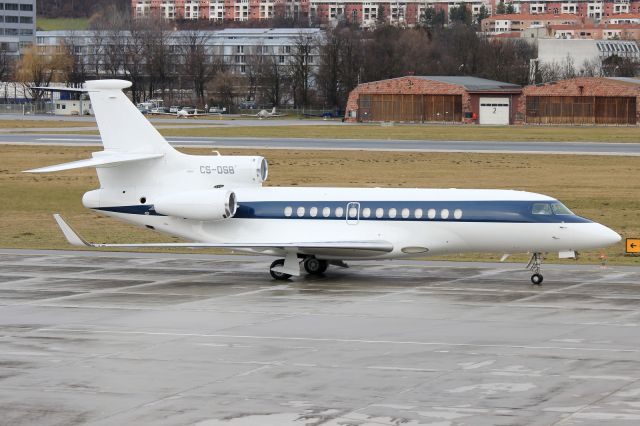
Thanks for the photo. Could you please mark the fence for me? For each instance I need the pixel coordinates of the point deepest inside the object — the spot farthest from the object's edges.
(27, 108)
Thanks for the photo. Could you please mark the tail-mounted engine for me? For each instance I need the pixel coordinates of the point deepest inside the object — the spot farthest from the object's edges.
(208, 204)
(233, 170)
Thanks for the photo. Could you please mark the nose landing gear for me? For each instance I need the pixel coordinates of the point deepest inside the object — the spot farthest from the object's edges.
(535, 265)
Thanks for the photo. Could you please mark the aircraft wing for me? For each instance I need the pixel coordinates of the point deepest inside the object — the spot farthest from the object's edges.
(312, 247)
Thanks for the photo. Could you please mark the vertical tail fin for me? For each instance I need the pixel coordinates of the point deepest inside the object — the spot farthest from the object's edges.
(122, 127)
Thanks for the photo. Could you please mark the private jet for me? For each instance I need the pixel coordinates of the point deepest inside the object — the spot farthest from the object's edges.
(193, 112)
(220, 201)
(265, 114)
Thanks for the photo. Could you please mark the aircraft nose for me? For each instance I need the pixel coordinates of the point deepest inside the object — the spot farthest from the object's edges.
(608, 236)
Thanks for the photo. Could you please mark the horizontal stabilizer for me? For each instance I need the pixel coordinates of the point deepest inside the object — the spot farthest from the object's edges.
(367, 246)
(60, 89)
(100, 159)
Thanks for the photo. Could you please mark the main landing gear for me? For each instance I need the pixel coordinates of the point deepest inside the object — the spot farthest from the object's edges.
(534, 265)
(315, 266)
(312, 265)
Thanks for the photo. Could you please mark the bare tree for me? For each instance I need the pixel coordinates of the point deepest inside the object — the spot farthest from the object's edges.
(300, 65)
(7, 63)
(134, 61)
(340, 65)
(271, 80)
(199, 64)
(225, 86)
(72, 62)
(158, 54)
(591, 68)
(254, 64)
(110, 30)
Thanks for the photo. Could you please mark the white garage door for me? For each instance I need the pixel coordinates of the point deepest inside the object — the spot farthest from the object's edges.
(494, 110)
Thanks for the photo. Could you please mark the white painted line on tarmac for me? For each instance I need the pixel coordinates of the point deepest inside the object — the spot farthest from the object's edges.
(97, 138)
(322, 339)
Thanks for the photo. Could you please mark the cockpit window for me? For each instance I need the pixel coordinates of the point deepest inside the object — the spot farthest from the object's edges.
(541, 208)
(559, 208)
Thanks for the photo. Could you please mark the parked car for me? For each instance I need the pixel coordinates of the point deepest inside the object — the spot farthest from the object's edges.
(159, 110)
(218, 110)
(174, 108)
(248, 105)
(143, 109)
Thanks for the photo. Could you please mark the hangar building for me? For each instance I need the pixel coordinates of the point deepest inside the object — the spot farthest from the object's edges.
(434, 99)
(583, 100)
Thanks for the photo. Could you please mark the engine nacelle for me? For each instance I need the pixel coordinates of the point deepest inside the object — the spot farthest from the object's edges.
(235, 170)
(208, 204)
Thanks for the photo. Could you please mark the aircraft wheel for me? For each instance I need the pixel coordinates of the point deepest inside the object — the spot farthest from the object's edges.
(278, 275)
(537, 279)
(315, 266)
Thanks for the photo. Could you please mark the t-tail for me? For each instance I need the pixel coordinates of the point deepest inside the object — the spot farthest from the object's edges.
(141, 173)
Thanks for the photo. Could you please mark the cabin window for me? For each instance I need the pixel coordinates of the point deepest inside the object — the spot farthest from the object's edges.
(300, 211)
(457, 213)
(339, 212)
(431, 214)
(561, 209)
(418, 213)
(353, 212)
(405, 213)
(379, 213)
(541, 208)
(366, 212)
(444, 214)
(326, 212)
(288, 211)
(313, 211)
(392, 213)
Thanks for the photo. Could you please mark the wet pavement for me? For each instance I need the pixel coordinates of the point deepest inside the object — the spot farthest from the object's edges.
(129, 338)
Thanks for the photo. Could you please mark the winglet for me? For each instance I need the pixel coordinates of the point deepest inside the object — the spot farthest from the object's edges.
(69, 233)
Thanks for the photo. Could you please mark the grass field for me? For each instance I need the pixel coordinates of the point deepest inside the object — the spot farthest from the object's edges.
(53, 24)
(31, 124)
(423, 132)
(401, 132)
(602, 188)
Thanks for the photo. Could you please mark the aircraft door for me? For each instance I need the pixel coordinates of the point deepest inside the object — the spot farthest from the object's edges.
(353, 213)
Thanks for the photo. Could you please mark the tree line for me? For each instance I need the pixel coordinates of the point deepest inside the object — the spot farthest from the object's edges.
(317, 73)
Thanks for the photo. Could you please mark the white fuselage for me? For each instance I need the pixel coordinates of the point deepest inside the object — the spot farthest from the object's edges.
(425, 221)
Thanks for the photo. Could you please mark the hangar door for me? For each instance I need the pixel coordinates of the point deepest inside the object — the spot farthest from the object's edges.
(494, 110)
(416, 108)
(581, 110)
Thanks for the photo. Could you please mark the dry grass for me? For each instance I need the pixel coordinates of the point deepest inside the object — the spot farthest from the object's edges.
(422, 132)
(602, 188)
(33, 124)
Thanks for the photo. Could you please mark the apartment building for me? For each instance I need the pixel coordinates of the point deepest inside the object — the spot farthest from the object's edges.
(519, 22)
(366, 13)
(233, 46)
(17, 25)
(566, 26)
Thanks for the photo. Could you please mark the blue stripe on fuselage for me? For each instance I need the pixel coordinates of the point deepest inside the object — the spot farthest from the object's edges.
(472, 211)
